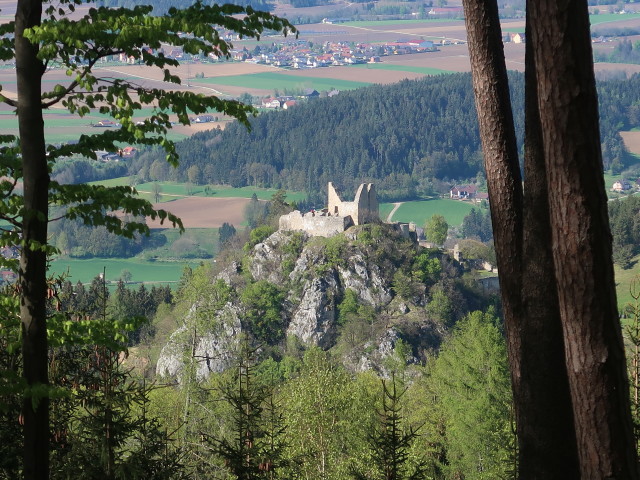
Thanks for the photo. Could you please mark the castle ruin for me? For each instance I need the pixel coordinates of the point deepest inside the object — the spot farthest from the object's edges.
(338, 216)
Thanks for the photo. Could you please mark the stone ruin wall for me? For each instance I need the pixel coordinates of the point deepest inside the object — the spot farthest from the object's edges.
(363, 209)
(338, 216)
(316, 225)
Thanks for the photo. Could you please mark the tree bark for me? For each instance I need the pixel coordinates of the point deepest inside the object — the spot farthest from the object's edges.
(581, 238)
(33, 261)
(547, 442)
(498, 137)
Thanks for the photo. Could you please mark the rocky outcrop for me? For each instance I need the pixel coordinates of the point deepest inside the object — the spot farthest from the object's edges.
(313, 273)
(366, 280)
(313, 320)
(215, 344)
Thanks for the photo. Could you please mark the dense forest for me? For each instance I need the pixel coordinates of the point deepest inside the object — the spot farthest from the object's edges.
(411, 376)
(407, 138)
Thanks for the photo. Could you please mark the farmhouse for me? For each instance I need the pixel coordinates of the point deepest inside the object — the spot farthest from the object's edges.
(463, 192)
(621, 186)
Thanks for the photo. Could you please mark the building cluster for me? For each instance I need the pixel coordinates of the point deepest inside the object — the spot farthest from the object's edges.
(467, 192)
(623, 185)
(301, 55)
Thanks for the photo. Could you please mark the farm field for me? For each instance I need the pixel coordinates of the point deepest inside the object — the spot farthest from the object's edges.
(201, 209)
(282, 80)
(142, 270)
(624, 279)
(204, 212)
(453, 211)
(385, 210)
(632, 141)
(216, 191)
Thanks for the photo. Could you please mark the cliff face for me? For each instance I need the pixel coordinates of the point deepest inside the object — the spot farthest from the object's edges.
(359, 293)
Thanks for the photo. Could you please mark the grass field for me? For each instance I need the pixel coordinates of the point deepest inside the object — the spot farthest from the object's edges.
(395, 22)
(219, 191)
(385, 209)
(624, 279)
(280, 81)
(453, 211)
(402, 68)
(142, 271)
(216, 191)
(611, 17)
(205, 238)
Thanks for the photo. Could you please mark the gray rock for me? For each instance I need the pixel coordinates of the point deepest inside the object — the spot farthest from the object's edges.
(313, 320)
(214, 346)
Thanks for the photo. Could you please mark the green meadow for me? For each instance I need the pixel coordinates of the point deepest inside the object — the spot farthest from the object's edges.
(172, 189)
(453, 211)
(385, 210)
(141, 270)
(280, 81)
(403, 68)
(611, 17)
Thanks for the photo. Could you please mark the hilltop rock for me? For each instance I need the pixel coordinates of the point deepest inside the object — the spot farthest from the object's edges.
(311, 277)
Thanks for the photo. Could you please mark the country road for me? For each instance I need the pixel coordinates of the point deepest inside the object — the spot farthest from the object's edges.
(396, 205)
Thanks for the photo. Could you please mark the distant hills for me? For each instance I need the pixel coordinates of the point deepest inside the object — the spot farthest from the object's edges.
(406, 137)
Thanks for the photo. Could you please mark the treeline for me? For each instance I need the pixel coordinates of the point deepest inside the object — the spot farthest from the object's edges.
(162, 6)
(73, 238)
(624, 52)
(405, 137)
(624, 216)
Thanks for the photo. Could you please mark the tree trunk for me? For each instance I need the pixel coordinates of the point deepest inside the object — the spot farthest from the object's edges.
(498, 137)
(581, 238)
(32, 272)
(547, 442)
(497, 133)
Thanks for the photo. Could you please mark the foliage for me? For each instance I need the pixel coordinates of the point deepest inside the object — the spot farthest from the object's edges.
(254, 447)
(77, 240)
(436, 229)
(226, 233)
(476, 250)
(277, 207)
(404, 285)
(348, 306)
(258, 235)
(631, 332)
(440, 306)
(391, 441)
(263, 303)
(624, 217)
(471, 381)
(477, 225)
(320, 412)
(255, 213)
(426, 268)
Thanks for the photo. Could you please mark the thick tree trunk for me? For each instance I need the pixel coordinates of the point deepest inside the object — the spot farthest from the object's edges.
(32, 274)
(498, 137)
(546, 439)
(546, 436)
(582, 239)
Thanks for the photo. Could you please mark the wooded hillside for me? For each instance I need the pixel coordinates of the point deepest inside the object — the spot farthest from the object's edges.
(404, 137)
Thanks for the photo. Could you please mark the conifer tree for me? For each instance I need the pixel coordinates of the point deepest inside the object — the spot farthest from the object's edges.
(391, 440)
(254, 447)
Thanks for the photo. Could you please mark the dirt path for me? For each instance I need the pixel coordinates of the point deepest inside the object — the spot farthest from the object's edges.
(396, 205)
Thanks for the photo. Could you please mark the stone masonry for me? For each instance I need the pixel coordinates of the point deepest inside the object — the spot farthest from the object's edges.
(338, 216)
